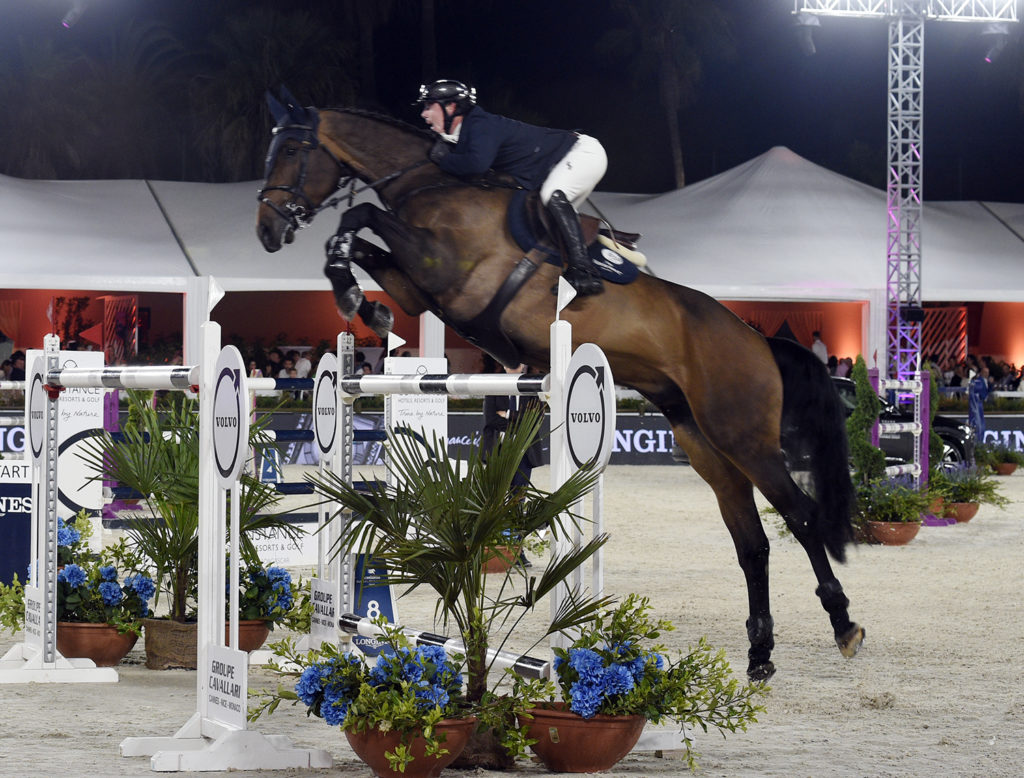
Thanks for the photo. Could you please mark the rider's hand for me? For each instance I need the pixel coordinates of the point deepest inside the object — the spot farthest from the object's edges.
(439, 151)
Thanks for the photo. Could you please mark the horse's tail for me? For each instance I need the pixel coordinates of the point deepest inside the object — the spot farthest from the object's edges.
(814, 436)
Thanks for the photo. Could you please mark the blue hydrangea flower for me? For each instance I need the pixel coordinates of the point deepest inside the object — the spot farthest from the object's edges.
(108, 573)
(72, 574)
(585, 699)
(142, 585)
(66, 536)
(334, 708)
(111, 593)
(310, 683)
(587, 663)
(617, 680)
(433, 654)
(430, 695)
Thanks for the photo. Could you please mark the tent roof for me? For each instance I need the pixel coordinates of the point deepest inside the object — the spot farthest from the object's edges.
(780, 227)
(777, 227)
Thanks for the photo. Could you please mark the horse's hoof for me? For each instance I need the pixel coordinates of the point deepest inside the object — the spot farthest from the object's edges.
(381, 320)
(348, 302)
(850, 643)
(761, 672)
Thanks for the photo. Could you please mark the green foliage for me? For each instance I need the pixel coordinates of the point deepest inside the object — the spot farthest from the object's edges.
(437, 524)
(868, 461)
(158, 457)
(969, 483)
(992, 454)
(265, 594)
(615, 667)
(12, 605)
(934, 441)
(891, 499)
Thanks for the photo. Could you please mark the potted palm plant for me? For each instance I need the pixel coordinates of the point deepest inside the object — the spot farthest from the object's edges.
(435, 527)
(157, 455)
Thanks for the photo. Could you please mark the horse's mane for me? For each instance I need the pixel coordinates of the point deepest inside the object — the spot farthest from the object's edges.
(422, 132)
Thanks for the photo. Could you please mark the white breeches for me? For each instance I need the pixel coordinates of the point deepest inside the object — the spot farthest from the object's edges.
(578, 172)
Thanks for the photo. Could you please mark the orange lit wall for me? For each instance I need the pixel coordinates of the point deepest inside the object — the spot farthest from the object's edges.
(1000, 332)
(841, 329)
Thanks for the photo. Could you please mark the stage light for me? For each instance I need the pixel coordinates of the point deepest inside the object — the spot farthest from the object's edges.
(805, 24)
(996, 35)
(74, 14)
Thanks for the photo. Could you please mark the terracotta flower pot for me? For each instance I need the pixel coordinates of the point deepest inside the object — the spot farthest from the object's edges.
(569, 743)
(1004, 468)
(370, 746)
(252, 633)
(894, 533)
(500, 559)
(101, 643)
(962, 511)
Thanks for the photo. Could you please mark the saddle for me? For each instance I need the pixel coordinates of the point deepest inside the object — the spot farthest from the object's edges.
(532, 229)
(613, 254)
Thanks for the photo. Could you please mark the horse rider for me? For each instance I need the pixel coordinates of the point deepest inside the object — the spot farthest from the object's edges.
(563, 166)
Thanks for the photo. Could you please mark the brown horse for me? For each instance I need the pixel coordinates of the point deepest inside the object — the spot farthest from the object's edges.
(740, 406)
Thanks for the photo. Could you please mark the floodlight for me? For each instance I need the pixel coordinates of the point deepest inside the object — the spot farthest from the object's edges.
(805, 24)
(996, 34)
(74, 14)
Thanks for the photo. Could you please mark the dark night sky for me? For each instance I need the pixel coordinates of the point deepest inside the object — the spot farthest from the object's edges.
(829, 108)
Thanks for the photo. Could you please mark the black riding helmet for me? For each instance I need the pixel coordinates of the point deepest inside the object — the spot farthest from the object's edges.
(446, 90)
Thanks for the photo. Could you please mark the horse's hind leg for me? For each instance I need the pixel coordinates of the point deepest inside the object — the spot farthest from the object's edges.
(735, 496)
(800, 514)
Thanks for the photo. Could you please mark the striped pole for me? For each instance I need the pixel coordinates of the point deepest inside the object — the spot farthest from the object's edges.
(116, 377)
(464, 384)
(527, 666)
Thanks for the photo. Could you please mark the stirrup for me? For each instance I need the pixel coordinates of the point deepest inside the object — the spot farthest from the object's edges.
(583, 282)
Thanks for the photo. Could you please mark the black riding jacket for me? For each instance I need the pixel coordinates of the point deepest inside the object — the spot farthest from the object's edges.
(489, 141)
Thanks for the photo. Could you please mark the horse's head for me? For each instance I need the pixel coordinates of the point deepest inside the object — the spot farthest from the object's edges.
(299, 175)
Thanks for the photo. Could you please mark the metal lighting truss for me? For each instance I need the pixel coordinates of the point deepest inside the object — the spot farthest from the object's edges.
(905, 148)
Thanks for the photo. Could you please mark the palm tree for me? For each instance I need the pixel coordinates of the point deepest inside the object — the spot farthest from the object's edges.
(257, 50)
(43, 119)
(133, 87)
(672, 40)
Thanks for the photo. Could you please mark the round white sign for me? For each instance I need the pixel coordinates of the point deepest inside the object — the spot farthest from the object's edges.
(325, 403)
(230, 417)
(37, 410)
(589, 407)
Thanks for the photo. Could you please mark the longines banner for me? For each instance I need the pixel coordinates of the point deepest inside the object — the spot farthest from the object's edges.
(639, 440)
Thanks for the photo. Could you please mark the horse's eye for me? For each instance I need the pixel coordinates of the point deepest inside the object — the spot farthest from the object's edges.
(290, 151)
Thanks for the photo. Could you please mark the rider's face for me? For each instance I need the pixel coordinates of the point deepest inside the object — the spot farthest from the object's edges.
(433, 115)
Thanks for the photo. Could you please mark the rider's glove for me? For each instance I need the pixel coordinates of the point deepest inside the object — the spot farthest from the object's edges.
(439, 151)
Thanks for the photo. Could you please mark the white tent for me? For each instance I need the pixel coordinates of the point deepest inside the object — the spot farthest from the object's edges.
(782, 228)
(775, 228)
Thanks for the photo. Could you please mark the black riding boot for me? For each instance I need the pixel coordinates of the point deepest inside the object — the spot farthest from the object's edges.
(580, 272)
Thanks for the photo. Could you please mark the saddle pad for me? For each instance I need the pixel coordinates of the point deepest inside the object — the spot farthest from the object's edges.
(611, 265)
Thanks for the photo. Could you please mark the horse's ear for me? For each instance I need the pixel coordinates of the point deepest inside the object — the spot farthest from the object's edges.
(278, 111)
(288, 98)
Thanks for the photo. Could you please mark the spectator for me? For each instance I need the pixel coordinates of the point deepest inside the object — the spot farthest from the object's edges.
(818, 347)
(303, 367)
(17, 366)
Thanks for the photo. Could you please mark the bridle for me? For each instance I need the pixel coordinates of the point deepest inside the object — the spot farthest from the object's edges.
(299, 210)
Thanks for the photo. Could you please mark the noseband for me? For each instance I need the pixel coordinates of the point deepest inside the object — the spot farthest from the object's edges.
(299, 210)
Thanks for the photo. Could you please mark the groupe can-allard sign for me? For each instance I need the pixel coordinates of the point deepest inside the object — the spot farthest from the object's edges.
(589, 407)
(230, 420)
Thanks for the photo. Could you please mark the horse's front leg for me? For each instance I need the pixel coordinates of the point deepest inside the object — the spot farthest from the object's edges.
(342, 248)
